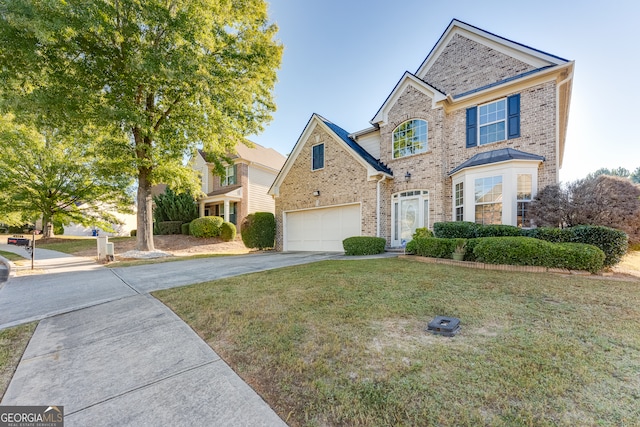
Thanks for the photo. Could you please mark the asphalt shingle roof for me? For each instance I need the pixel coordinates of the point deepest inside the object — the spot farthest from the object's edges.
(344, 135)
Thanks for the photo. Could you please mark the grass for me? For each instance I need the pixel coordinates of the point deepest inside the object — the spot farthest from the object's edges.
(74, 245)
(13, 257)
(13, 342)
(344, 343)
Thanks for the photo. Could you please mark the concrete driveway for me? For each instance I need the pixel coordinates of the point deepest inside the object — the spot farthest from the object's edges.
(113, 355)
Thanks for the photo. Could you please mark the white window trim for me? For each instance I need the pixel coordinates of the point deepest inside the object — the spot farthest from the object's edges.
(426, 142)
(506, 117)
(509, 171)
(225, 181)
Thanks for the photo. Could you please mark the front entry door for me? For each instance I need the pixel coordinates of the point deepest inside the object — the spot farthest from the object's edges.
(410, 210)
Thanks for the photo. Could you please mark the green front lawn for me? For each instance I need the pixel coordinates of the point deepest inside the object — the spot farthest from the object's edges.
(344, 343)
(72, 245)
(13, 342)
(14, 257)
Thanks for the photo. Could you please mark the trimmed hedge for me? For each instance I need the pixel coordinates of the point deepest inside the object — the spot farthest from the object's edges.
(497, 230)
(227, 231)
(184, 228)
(169, 227)
(433, 247)
(363, 245)
(455, 229)
(614, 243)
(208, 226)
(536, 252)
(259, 230)
(422, 232)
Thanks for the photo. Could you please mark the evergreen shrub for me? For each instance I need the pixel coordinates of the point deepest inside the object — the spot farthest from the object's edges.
(259, 230)
(363, 245)
(208, 226)
(227, 231)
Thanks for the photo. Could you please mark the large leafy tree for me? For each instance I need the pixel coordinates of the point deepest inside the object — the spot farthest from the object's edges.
(606, 200)
(58, 176)
(169, 74)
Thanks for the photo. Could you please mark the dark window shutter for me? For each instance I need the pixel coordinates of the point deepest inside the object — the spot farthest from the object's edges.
(513, 114)
(235, 175)
(472, 127)
(317, 161)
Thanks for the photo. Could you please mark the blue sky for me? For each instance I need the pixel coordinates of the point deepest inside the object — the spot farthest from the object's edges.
(343, 57)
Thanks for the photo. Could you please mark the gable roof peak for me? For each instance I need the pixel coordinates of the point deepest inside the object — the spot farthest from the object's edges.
(532, 56)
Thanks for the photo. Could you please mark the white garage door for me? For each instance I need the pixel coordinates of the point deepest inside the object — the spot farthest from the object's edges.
(321, 229)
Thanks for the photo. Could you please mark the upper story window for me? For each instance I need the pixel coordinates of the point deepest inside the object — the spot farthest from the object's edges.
(410, 138)
(492, 122)
(317, 157)
(492, 118)
(229, 176)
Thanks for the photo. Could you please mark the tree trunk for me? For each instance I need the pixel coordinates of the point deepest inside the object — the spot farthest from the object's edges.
(144, 236)
(47, 226)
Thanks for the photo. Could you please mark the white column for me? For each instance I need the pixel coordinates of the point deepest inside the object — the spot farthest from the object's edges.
(226, 210)
(201, 210)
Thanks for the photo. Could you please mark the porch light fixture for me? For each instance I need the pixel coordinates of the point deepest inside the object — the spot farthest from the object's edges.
(316, 193)
(407, 176)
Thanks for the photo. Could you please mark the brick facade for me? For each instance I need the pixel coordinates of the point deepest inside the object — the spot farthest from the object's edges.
(463, 65)
(343, 180)
(467, 65)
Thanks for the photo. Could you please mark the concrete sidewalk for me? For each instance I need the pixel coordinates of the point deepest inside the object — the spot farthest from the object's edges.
(113, 355)
(47, 261)
(132, 362)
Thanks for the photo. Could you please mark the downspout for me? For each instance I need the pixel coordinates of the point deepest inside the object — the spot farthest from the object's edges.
(559, 85)
(378, 205)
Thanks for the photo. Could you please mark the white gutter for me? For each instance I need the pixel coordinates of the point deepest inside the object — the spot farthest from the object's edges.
(558, 86)
(378, 205)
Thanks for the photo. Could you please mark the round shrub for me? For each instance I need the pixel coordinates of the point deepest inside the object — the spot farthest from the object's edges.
(363, 245)
(208, 226)
(614, 243)
(184, 228)
(259, 230)
(535, 252)
(227, 231)
(455, 230)
(133, 233)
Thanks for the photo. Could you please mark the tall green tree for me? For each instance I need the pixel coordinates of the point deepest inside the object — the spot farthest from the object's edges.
(51, 175)
(171, 75)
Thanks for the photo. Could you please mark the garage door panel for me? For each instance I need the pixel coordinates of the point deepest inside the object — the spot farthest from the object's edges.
(322, 229)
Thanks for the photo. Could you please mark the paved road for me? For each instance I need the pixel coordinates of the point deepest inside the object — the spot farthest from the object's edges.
(113, 355)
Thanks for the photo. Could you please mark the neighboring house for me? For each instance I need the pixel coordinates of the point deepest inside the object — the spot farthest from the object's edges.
(243, 189)
(471, 135)
(127, 223)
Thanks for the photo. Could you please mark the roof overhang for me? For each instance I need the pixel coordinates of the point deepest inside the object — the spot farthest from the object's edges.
(407, 80)
(526, 54)
(312, 124)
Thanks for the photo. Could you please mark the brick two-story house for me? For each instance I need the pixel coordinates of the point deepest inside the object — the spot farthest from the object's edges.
(471, 135)
(243, 189)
